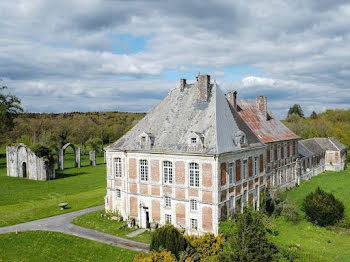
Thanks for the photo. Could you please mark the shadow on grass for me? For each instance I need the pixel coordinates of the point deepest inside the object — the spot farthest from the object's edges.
(61, 175)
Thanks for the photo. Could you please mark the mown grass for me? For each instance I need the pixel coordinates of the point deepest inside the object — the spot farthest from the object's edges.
(94, 221)
(22, 200)
(53, 246)
(314, 239)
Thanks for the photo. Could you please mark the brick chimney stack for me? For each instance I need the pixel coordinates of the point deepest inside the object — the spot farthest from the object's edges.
(261, 104)
(232, 99)
(203, 82)
(182, 84)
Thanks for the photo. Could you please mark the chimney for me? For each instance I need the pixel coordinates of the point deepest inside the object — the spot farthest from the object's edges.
(203, 82)
(182, 84)
(232, 99)
(262, 105)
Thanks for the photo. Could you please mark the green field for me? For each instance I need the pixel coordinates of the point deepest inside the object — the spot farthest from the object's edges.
(22, 200)
(52, 246)
(324, 242)
(94, 221)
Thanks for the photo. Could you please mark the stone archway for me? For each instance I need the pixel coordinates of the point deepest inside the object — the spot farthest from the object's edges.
(61, 152)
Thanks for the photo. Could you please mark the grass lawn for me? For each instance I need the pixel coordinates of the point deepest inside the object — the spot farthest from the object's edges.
(22, 200)
(94, 221)
(314, 239)
(53, 246)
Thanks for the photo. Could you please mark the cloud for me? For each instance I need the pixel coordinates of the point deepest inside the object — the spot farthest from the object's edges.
(297, 51)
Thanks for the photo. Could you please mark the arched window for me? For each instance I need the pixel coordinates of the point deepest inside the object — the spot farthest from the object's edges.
(194, 174)
(168, 172)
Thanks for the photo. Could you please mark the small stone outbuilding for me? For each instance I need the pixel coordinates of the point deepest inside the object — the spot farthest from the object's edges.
(22, 162)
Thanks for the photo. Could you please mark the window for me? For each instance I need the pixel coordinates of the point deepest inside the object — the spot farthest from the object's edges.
(244, 175)
(290, 148)
(168, 218)
(118, 193)
(230, 173)
(231, 202)
(193, 140)
(256, 166)
(285, 150)
(194, 174)
(242, 140)
(118, 167)
(168, 172)
(194, 204)
(194, 223)
(279, 176)
(144, 170)
(167, 201)
(143, 139)
(245, 199)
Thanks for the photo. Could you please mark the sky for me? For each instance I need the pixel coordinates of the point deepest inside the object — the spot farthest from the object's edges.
(87, 55)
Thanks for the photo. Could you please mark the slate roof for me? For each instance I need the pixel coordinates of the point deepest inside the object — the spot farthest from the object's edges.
(267, 131)
(303, 151)
(182, 113)
(319, 145)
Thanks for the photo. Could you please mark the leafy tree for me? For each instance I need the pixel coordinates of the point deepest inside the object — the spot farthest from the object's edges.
(206, 246)
(94, 143)
(9, 108)
(249, 241)
(296, 109)
(313, 115)
(164, 256)
(168, 238)
(323, 208)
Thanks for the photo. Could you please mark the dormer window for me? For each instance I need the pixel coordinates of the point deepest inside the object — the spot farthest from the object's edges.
(193, 140)
(143, 139)
(146, 140)
(240, 139)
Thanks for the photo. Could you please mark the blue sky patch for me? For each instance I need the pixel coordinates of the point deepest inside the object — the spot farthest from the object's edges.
(127, 43)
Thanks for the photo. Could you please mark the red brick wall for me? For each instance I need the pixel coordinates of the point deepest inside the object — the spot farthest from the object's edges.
(180, 172)
(180, 193)
(156, 210)
(155, 170)
(156, 190)
(207, 196)
(133, 207)
(207, 175)
(261, 164)
(132, 168)
(238, 170)
(223, 174)
(180, 214)
(250, 166)
(207, 218)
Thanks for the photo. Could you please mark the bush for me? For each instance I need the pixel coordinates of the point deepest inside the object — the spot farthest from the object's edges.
(290, 211)
(169, 238)
(344, 222)
(323, 208)
(42, 151)
(207, 245)
(164, 256)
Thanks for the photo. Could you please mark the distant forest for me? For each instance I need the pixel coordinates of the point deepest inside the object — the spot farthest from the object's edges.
(94, 129)
(332, 123)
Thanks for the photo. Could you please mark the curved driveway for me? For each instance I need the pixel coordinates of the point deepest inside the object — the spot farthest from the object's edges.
(62, 223)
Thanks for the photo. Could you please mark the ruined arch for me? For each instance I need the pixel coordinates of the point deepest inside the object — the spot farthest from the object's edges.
(61, 152)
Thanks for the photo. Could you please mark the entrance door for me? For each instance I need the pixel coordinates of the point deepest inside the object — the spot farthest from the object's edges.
(24, 169)
(147, 219)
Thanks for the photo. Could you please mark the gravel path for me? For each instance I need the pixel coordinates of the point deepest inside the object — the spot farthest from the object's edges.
(62, 223)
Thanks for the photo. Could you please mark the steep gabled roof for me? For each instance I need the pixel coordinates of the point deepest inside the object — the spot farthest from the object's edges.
(267, 131)
(319, 145)
(179, 115)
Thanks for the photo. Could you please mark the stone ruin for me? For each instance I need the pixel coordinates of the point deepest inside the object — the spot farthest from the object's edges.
(92, 155)
(22, 162)
(60, 155)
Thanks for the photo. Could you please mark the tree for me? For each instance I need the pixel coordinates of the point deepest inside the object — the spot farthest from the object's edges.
(249, 241)
(168, 238)
(9, 108)
(313, 115)
(296, 109)
(323, 208)
(94, 143)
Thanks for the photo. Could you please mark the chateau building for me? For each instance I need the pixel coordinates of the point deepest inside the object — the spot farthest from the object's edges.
(197, 157)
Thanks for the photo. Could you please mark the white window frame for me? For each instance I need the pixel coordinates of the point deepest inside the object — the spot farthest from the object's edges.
(167, 217)
(279, 176)
(193, 140)
(118, 193)
(231, 202)
(168, 172)
(256, 163)
(117, 167)
(271, 152)
(285, 150)
(143, 169)
(231, 172)
(167, 201)
(244, 169)
(194, 205)
(194, 174)
(194, 223)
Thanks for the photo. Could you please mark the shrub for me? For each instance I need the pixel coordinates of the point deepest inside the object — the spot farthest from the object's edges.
(344, 222)
(289, 210)
(249, 241)
(164, 256)
(169, 238)
(207, 245)
(42, 151)
(323, 208)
